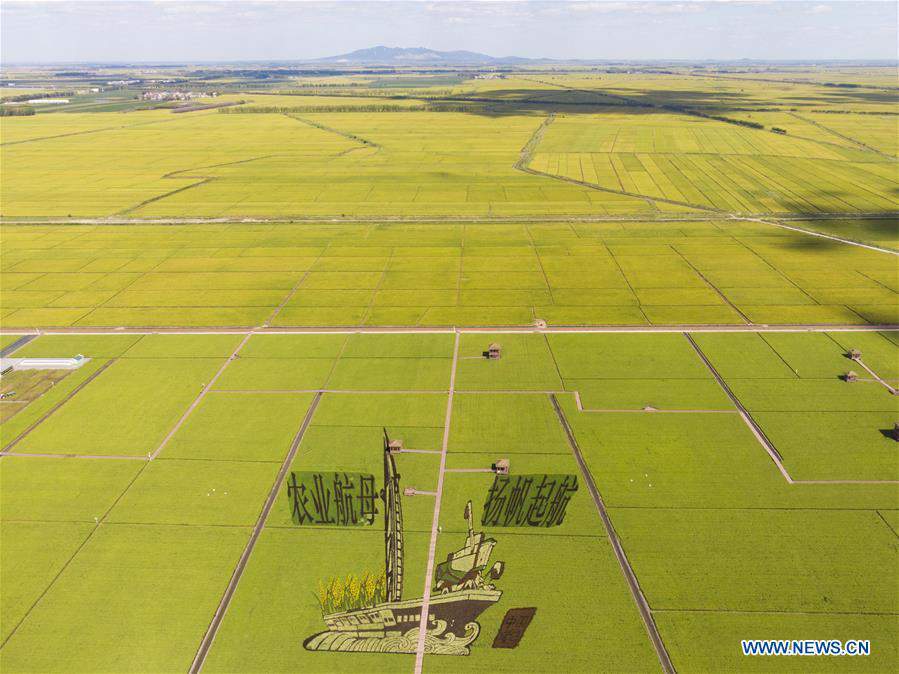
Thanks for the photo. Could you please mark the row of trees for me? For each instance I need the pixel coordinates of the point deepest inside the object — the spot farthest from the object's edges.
(278, 109)
(16, 111)
(33, 97)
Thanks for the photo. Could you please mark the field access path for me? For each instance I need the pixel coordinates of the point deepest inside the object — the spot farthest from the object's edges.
(435, 523)
(492, 329)
(770, 219)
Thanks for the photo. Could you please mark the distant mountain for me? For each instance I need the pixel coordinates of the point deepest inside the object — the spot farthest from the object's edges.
(420, 56)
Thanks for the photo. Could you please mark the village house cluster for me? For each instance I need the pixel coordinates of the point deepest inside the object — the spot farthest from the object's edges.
(176, 95)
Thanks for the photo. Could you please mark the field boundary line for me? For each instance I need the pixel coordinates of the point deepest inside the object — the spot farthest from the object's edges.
(626, 569)
(97, 523)
(877, 377)
(438, 497)
(526, 155)
(294, 290)
(199, 398)
(164, 195)
(744, 413)
(843, 136)
(211, 632)
(52, 410)
(330, 129)
(630, 288)
(549, 287)
(883, 519)
(202, 180)
(711, 285)
(774, 269)
(780, 355)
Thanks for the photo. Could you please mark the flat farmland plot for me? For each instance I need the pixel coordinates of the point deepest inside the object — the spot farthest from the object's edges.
(33, 554)
(266, 292)
(281, 596)
(702, 512)
(713, 165)
(153, 587)
(318, 275)
(723, 632)
(522, 423)
(274, 164)
(241, 427)
(187, 147)
(132, 405)
(60, 490)
(669, 545)
(185, 492)
(598, 631)
(835, 445)
(526, 363)
(793, 385)
(876, 131)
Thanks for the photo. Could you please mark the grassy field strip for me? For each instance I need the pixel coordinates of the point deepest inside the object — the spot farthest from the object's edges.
(209, 637)
(759, 433)
(438, 497)
(200, 397)
(626, 569)
(53, 409)
(810, 232)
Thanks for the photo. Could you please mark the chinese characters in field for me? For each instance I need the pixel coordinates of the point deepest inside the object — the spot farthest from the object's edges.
(332, 499)
(528, 500)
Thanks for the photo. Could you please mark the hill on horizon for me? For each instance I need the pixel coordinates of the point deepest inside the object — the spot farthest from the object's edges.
(421, 55)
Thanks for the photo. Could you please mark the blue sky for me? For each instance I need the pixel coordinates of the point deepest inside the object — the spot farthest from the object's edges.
(122, 30)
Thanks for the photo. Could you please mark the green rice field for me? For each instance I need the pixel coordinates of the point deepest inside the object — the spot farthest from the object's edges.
(689, 276)
(134, 497)
(318, 275)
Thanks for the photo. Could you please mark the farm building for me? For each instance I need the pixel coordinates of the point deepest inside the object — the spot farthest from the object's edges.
(501, 467)
(7, 364)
